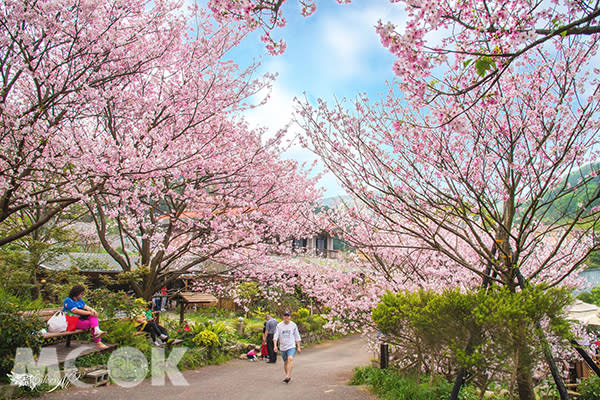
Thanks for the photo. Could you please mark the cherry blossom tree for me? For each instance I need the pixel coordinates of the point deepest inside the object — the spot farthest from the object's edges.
(473, 194)
(57, 60)
(129, 107)
(186, 182)
(494, 118)
(342, 289)
(449, 48)
(234, 207)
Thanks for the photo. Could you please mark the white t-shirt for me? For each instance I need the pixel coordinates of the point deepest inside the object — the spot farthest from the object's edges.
(287, 334)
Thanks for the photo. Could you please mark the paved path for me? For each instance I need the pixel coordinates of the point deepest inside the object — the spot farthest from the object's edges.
(320, 373)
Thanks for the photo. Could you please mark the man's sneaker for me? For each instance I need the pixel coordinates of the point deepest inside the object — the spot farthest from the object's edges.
(163, 337)
(157, 343)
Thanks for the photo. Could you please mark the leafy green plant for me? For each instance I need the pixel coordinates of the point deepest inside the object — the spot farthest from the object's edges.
(302, 313)
(93, 359)
(185, 333)
(589, 388)
(59, 283)
(437, 327)
(306, 322)
(207, 338)
(253, 330)
(225, 334)
(193, 358)
(109, 303)
(16, 331)
(25, 392)
(389, 385)
(15, 274)
(250, 294)
(123, 333)
(547, 390)
(592, 297)
(22, 303)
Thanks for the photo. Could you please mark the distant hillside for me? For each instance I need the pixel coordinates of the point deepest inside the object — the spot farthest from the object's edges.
(332, 202)
(565, 207)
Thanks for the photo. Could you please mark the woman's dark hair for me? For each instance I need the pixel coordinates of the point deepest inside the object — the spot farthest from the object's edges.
(76, 291)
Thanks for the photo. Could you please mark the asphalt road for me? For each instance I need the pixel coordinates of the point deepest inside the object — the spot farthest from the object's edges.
(321, 372)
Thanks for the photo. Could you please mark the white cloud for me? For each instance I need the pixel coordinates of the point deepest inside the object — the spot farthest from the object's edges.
(275, 115)
(337, 51)
(343, 50)
(346, 49)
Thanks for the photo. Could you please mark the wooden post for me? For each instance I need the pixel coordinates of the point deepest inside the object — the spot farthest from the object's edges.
(384, 357)
(181, 311)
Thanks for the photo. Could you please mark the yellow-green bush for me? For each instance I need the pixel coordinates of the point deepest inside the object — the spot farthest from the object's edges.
(206, 338)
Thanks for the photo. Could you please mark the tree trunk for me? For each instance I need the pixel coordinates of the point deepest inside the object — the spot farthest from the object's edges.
(560, 385)
(524, 377)
(35, 290)
(460, 378)
(586, 357)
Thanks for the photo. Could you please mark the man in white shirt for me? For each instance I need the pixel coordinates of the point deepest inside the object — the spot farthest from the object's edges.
(289, 342)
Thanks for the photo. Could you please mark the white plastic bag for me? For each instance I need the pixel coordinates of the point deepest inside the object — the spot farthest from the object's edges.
(57, 323)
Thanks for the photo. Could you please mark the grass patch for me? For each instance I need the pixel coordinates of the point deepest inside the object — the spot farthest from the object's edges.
(389, 385)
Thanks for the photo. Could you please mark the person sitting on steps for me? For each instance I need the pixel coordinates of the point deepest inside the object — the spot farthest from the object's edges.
(147, 323)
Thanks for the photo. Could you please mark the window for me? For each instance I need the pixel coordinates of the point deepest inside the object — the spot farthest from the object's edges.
(321, 246)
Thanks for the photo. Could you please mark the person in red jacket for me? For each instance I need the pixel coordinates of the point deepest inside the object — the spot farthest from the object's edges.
(163, 294)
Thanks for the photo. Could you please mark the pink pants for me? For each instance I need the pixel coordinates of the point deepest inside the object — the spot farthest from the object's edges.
(89, 324)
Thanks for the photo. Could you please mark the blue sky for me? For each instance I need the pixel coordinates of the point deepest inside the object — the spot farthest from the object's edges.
(333, 53)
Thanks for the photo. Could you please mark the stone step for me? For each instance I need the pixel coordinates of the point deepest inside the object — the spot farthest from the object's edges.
(98, 377)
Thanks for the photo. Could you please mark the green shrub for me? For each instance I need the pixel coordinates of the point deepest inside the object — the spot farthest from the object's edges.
(225, 334)
(182, 333)
(61, 282)
(306, 322)
(207, 338)
(218, 328)
(589, 388)
(122, 332)
(316, 323)
(200, 356)
(21, 303)
(389, 385)
(109, 303)
(193, 358)
(253, 330)
(90, 360)
(16, 331)
(493, 322)
(282, 303)
(546, 390)
(20, 392)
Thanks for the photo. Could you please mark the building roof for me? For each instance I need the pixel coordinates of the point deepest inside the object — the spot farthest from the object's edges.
(86, 262)
(196, 297)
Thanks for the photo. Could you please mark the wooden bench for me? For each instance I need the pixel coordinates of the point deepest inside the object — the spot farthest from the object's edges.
(45, 315)
(50, 339)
